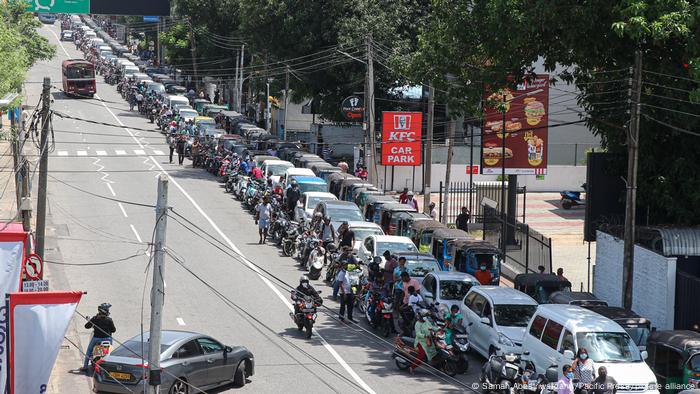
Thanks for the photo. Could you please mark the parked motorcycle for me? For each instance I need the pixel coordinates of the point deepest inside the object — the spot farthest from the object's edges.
(315, 261)
(460, 345)
(378, 311)
(289, 243)
(305, 315)
(571, 198)
(100, 351)
(501, 373)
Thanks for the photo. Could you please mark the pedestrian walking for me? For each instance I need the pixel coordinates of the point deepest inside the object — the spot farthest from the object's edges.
(604, 384)
(433, 211)
(584, 370)
(172, 144)
(262, 218)
(180, 145)
(463, 219)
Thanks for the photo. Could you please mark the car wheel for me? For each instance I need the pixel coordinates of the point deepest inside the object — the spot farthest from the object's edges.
(179, 387)
(239, 376)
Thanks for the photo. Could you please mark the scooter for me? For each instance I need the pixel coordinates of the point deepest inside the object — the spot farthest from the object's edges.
(571, 199)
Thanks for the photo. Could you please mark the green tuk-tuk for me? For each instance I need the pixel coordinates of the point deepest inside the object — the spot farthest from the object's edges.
(674, 356)
(199, 105)
(469, 254)
(387, 213)
(404, 221)
(422, 233)
(370, 210)
(441, 237)
(211, 110)
(363, 195)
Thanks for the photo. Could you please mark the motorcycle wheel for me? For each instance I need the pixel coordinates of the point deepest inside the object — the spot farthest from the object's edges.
(300, 327)
(400, 365)
(278, 239)
(450, 368)
(309, 328)
(566, 204)
(288, 249)
(386, 327)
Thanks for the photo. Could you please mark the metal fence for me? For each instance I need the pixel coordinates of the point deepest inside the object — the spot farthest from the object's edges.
(526, 249)
(461, 195)
(687, 314)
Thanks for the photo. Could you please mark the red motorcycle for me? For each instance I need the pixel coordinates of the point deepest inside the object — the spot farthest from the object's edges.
(305, 309)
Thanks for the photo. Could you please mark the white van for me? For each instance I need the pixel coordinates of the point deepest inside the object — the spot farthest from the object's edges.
(557, 331)
(130, 70)
(172, 100)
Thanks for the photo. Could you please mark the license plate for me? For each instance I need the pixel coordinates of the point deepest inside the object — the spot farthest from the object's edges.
(461, 336)
(120, 375)
(386, 311)
(308, 310)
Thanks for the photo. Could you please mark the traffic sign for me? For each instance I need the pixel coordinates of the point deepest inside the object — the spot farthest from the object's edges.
(34, 267)
(35, 285)
(64, 6)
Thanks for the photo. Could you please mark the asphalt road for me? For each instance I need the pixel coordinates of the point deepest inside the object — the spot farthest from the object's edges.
(118, 161)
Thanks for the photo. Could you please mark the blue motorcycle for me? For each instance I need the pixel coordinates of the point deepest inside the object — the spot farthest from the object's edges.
(570, 198)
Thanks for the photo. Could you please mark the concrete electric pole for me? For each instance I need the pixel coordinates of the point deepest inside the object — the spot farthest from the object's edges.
(43, 167)
(429, 149)
(369, 103)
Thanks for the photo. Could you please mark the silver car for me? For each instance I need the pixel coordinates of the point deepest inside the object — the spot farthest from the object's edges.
(187, 359)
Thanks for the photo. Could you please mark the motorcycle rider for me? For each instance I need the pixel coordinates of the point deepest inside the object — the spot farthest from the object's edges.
(103, 328)
(347, 236)
(305, 289)
(423, 343)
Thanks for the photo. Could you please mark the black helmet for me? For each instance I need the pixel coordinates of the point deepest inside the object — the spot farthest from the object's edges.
(104, 308)
(303, 279)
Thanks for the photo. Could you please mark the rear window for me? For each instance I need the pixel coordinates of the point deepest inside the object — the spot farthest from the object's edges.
(133, 349)
(537, 326)
(552, 333)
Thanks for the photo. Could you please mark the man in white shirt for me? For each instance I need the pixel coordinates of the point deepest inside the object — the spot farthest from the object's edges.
(263, 212)
(347, 298)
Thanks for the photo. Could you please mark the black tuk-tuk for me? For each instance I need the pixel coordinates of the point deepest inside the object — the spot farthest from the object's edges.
(386, 214)
(580, 298)
(310, 161)
(540, 286)
(296, 160)
(674, 356)
(370, 210)
(422, 234)
(636, 326)
(439, 248)
(362, 194)
(335, 182)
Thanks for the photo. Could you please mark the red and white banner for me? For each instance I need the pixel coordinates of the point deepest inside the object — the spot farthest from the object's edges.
(38, 323)
(12, 253)
(401, 138)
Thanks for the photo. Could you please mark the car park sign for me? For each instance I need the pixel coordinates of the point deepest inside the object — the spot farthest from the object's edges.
(401, 138)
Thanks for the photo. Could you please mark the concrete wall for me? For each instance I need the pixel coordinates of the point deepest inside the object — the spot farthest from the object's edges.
(654, 280)
(558, 177)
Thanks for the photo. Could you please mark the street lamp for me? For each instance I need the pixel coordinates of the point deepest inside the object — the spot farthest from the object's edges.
(504, 107)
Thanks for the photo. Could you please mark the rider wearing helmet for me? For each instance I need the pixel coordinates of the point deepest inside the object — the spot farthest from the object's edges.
(305, 289)
(103, 327)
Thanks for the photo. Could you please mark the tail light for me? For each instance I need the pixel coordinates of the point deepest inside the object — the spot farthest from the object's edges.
(97, 365)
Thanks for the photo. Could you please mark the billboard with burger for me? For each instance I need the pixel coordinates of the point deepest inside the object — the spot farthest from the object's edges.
(525, 132)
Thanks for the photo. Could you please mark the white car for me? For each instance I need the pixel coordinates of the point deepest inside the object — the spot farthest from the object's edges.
(275, 169)
(496, 319)
(448, 288)
(375, 245)
(362, 230)
(307, 203)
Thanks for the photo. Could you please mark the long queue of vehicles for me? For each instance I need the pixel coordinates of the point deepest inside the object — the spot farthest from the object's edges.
(527, 333)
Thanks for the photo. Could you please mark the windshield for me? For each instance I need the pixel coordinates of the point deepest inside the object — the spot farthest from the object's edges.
(312, 201)
(454, 290)
(694, 363)
(278, 169)
(421, 267)
(362, 233)
(608, 347)
(188, 114)
(394, 247)
(345, 215)
(513, 315)
(133, 349)
(80, 71)
(313, 187)
(228, 144)
(638, 334)
(156, 87)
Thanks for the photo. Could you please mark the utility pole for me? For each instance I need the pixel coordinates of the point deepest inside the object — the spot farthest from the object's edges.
(240, 83)
(193, 51)
(26, 203)
(234, 91)
(448, 171)
(267, 105)
(286, 103)
(43, 167)
(632, 159)
(158, 287)
(429, 149)
(369, 102)
(158, 49)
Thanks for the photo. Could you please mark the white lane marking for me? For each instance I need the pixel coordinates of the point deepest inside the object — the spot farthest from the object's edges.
(123, 210)
(158, 152)
(272, 287)
(111, 190)
(60, 43)
(62, 153)
(101, 153)
(139, 152)
(138, 237)
(120, 152)
(81, 153)
(180, 321)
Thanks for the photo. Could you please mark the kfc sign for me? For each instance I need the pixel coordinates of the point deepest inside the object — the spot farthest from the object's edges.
(401, 138)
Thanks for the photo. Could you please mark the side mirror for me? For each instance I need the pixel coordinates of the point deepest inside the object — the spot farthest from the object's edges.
(320, 291)
(645, 354)
(552, 374)
(485, 320)
(568, 354)
(228, 349)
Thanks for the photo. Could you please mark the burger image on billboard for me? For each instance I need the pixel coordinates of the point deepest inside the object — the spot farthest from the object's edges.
(534, 111)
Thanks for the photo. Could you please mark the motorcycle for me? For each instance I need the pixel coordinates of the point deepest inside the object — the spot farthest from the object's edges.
(501, 373)
(316, 260)
(445, 359)
(378, 311)
(571, 198)
(100, 351)
(460, 345)
(277, 228)
(289, 243)
(357, 282)
(305, 312)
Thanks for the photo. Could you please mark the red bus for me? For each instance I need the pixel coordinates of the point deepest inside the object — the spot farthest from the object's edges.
(79, 77)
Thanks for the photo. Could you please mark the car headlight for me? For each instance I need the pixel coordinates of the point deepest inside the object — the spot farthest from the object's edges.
(504, 340)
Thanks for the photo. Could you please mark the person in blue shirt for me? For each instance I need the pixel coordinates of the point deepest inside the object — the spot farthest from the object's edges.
(454, 319)
(244, 167)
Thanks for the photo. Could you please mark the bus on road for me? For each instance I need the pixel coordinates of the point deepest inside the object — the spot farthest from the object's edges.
(79, 78)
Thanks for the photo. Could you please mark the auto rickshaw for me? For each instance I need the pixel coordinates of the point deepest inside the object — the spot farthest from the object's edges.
(540, 286)
(674, 356)
(403, 221)
(422, 233)
(439, 247)
(636, 326)
(357, 191)
(335, 182)
(469, 254)
(387, 212)
(346, 190)
(580, 298)
(370, 210)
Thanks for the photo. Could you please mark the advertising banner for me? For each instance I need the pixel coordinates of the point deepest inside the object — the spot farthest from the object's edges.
(12, 241)
(526, 133)
(38, 323)
(401, 138)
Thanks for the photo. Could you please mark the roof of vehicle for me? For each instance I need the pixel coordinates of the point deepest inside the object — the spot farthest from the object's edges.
(263, 158)
(683, 339)
(278, 162)
(621, 316)
(202, 118)
(581, 298)
(339, 175)
(454, 275)
(577, 318)
(362, 224)
(473, 244)
(320, 194)
(394, 238)
(299, 171)
(397, 207)
(528, 280)
(168, 337)
(309, 179)
(173, 97)
(427, 224)
(230, 136)
(383, 198)
(413, 255)
(505, 295)
(450, 233)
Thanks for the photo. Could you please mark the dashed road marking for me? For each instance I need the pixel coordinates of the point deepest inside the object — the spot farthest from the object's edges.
(120, 152)
(138, 237)
(123, 210)
(101, 152)
(111, 190)
(139, 151)
(180, 321)
(158, 152)
(62, 153)
(81, 153)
